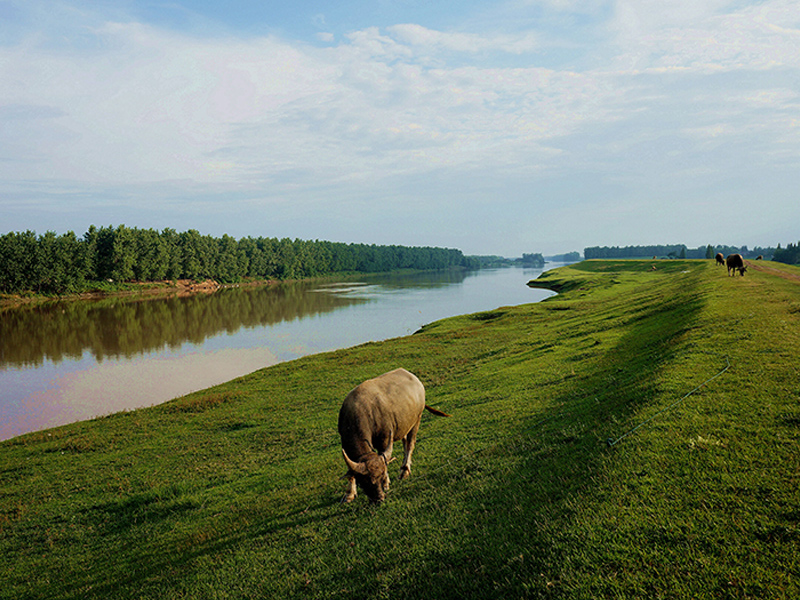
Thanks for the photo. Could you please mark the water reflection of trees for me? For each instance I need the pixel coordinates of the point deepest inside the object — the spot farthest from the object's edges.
(115, 327)
(425, 279)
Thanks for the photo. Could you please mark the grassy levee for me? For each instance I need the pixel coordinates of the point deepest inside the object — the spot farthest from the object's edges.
(233, 492)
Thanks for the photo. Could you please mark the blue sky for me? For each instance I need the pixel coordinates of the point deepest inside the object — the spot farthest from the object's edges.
(496, 127)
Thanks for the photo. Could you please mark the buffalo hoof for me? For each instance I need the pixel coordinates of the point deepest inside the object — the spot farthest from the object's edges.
(405, 472)
(348, 498)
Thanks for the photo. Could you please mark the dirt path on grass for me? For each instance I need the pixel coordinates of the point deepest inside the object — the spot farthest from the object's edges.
(763, 267)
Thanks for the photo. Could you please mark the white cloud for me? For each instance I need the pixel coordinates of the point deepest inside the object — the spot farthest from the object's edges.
(155, 105)
(422, 37)
(705, 36)
(400, 111)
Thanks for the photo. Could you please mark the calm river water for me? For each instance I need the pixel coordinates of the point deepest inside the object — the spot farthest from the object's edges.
(71, 361)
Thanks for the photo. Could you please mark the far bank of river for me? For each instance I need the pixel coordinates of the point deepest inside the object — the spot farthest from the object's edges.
(70, 361)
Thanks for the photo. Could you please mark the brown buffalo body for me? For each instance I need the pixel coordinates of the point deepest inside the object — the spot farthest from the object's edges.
(735, 262)
(720, 258)
(374, 415)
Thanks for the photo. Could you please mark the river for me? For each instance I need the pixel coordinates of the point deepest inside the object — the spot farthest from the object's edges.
(69, 361)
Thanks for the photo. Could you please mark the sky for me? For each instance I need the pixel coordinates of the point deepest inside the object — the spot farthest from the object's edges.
(491, 126)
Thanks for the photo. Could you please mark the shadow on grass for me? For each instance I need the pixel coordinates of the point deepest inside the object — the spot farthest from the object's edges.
(522, 541)
(485, 525)
(150, 571)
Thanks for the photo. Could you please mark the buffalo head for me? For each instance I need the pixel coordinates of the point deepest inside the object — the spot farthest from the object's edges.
(371, 474)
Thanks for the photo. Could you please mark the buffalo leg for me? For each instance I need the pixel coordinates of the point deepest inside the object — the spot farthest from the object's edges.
(408, 446)
(387, 457)
(351, 488)
(387, 453)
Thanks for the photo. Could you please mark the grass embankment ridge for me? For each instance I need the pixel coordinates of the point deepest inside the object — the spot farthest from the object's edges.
(233, 492)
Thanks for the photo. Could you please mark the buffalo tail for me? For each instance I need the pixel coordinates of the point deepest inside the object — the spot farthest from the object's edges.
(436, 412)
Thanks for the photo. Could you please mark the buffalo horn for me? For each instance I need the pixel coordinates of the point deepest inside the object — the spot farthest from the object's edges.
(359, 468)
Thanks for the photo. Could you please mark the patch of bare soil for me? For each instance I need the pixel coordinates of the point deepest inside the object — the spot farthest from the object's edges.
(764, 267)
(187, 286)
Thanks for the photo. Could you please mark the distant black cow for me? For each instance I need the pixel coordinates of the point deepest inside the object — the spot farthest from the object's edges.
(735, 262)
(720, 258)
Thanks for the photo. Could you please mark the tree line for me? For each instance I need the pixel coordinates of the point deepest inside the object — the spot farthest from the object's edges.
(675, 251)
(789, 255)
(58, 264)
(567, 257)
(493, 261)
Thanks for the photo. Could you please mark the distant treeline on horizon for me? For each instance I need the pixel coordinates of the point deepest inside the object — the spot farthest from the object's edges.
(58, 264)
(531, 261)
(681, 251)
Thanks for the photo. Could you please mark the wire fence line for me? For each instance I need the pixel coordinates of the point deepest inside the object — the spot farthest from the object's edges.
(612, 442)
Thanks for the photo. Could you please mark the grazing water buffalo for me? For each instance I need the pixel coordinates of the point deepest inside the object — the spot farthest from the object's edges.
(735, 262)
(720, 258)
(373, 416)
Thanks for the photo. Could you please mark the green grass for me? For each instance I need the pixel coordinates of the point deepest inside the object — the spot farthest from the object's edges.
(234, 492)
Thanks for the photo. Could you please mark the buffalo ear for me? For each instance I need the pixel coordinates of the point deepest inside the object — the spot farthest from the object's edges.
(359, 468)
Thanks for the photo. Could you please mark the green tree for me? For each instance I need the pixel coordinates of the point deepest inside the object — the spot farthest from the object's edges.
(789, 255)
(191, 248)
(286, 266)
(104, 253)
(19, 262)
(90, 254)
(61, 267)
(249, 248)
(172, 248)
(123, 254)
(228, 268)
(533, 260)
(151, 259)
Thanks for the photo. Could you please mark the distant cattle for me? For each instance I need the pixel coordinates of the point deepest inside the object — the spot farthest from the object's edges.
(720, 258)
(735, 262)
(760, 257)
(373, 416)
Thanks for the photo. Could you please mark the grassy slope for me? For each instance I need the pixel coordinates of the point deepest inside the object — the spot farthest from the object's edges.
(233, 492)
